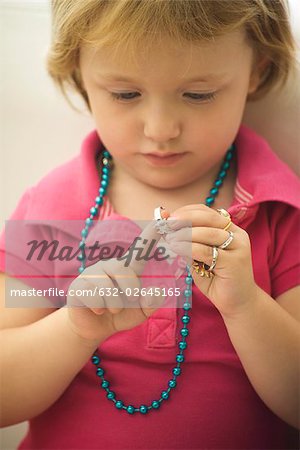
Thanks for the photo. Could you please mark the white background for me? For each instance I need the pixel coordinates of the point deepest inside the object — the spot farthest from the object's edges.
(39, 130)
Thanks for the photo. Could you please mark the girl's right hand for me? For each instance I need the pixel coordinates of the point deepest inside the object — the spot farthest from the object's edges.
(93, 318)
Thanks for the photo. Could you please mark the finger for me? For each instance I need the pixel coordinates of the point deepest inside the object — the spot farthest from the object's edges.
(198, 217)
(204, 235)
(127, 281)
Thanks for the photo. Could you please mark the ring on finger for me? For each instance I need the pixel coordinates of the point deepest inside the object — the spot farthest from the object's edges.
(214, 259)
(227, 242)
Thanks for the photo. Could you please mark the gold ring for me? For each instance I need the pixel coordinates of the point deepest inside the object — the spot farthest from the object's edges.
(227, 226)
(200, 268)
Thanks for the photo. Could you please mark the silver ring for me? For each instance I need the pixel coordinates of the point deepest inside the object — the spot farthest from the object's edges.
(228, 241)
(162, 226)
(214, 260)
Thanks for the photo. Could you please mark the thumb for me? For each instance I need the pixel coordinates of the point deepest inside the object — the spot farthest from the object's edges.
(152, 301)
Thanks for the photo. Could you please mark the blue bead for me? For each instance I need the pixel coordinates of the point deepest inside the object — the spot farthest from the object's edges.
(172, 384)
(99, 200)
(226, 165)
(81, 257)
(95, 359)
(143, 409)
(101, 191)
(82, 244)
(165, 395)
(182, 345)
(218, 182)
(209, 201)
(222, 174)
(155, 404)
(104, 183)
(188, 280)
(93, 210)
(100, 372)
(130, 409)
(81, 269)
(105, 170)
(106, 154)
(184, 332)
(88, 221)
(105, 384)
(180, 358)
(84, 232)
(110, 395)
(119, 404)
(186, 306)
(187, 293)
(229, 156)
(176, 371)
(214, 191)
(185, 319)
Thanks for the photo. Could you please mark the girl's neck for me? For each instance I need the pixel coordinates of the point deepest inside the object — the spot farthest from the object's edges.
(136, 200)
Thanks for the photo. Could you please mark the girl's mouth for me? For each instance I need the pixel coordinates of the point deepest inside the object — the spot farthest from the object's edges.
(168, 160)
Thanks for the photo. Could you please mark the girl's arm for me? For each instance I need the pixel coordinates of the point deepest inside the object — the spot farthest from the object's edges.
(37, 363)
(267, 340)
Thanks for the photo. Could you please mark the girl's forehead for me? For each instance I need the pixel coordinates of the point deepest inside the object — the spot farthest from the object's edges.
(214, 58)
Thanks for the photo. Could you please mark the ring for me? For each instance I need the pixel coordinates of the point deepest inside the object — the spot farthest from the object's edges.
(226, 214)
(200, 268)
(227, 242)
(162, 226)
(214, 260)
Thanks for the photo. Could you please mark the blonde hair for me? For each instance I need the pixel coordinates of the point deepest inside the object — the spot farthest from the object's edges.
(127, 24)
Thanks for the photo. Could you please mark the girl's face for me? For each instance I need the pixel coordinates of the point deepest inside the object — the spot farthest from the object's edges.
(184, 100)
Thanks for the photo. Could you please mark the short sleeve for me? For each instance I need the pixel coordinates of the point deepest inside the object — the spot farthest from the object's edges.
(285, 257)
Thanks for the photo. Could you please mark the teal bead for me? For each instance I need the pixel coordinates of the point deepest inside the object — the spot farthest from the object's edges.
(82, 244)
(226, 165)
(88, 221)
(106, 154)
(119, 404)
(101, 191)
(155, 404)
(103, 183)
(110, 395)
(188, 280)
(81, 269)
(81, 257)
(130, 409)
(99, 200)
(172, 384)
(100, 372)
(176, 371)
(185, 319)
(180, 358)
(222, 174)
(165, 395)
(84, 232)
(214, 191)
(187, 292)
(105, 384)
(182, 345)
(93, 210)
(218, 182)
(105, 170)
(209, 201)
(187, 306)
(143, 409)
(229, 156)
(95, 359)
(184, 332)
(105, 177)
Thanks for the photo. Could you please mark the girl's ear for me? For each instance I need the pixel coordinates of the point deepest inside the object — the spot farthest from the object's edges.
(259, 72)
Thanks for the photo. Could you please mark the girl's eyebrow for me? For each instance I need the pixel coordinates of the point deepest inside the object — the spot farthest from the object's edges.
(203, 79)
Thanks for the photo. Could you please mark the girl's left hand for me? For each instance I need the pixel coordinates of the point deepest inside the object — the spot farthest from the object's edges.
(232, 287)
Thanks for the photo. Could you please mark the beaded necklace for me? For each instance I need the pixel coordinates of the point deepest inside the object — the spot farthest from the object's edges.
(185, 319)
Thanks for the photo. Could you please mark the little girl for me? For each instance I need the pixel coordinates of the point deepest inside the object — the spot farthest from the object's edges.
(166, 83)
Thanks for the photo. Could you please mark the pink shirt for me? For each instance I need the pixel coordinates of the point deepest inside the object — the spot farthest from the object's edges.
(214, 405)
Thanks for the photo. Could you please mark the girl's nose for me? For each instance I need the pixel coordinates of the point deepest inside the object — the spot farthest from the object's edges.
(161, 126)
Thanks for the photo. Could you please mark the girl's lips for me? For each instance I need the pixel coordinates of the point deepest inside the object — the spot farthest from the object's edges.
(163, 161)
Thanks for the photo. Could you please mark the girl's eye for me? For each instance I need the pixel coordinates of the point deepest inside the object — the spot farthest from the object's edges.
(124, 95)
(201, 97)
